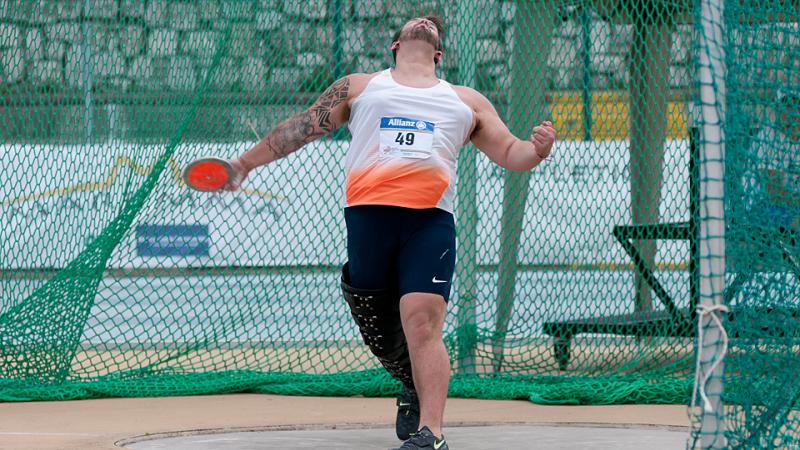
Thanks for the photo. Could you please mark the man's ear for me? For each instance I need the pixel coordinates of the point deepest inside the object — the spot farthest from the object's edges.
(394, 45)
(437, 57)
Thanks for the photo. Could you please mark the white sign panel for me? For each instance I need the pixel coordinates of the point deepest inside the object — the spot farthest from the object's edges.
(290, 213)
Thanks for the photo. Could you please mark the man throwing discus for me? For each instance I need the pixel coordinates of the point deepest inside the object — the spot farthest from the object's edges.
(407, 127)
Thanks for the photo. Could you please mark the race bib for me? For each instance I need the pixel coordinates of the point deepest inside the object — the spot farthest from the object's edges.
(402, 137)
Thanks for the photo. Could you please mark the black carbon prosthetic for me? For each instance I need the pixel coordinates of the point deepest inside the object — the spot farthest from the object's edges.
(377, 314)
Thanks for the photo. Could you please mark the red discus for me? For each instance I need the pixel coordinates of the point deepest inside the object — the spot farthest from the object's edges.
(207, 174)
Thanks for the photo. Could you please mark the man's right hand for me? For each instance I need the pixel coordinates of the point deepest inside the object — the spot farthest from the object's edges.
(240, 172)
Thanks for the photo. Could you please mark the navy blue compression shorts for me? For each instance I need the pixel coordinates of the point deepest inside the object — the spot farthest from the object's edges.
(411, 250)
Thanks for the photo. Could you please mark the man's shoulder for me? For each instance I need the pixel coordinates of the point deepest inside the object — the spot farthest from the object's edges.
(473, 98)
(470, 96)
(466, 90)
(356, 82)
(362, 75)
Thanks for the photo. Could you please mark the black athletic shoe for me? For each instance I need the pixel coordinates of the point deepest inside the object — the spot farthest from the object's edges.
(407, 421)
(424, 440)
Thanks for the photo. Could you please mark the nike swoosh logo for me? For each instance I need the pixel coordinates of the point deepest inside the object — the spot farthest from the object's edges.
(438, 445)
(438, 281)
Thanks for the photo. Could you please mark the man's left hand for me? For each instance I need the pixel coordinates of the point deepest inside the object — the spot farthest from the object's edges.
(542, 138)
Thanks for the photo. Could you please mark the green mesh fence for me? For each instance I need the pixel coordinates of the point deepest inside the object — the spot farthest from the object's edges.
(575, 284)
(757, 89)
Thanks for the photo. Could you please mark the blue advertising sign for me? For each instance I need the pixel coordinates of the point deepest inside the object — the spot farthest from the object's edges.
(172, 240)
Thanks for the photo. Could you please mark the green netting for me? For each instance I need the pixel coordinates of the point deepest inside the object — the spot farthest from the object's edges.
(575, 284)
(757, 90)
(119, 281)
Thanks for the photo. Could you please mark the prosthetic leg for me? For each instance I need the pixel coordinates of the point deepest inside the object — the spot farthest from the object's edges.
(377, 314)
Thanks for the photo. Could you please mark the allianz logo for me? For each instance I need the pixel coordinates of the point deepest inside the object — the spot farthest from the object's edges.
(395, 122)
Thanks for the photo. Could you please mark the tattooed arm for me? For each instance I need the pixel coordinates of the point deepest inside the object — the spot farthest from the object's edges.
(329, 112)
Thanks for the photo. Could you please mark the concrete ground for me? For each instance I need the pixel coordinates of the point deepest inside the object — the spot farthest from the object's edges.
(495, 437)
(111, 423)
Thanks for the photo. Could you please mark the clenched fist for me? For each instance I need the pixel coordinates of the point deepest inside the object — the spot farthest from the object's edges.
(542, 138)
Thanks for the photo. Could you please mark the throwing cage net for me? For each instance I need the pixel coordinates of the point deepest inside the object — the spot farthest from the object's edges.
(577, 283)
(750, 98)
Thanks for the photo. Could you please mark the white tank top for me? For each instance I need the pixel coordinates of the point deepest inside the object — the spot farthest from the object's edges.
(404, 146)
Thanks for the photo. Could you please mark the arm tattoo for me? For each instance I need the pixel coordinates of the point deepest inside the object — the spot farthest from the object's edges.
(331, 98)
(310, 124)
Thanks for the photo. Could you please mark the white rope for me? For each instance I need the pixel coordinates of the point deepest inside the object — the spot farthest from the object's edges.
(253, 129)
(700, 385)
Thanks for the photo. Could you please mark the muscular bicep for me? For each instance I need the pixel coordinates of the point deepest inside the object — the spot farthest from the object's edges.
(327, 113)
(331, 111)
(491, 135)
